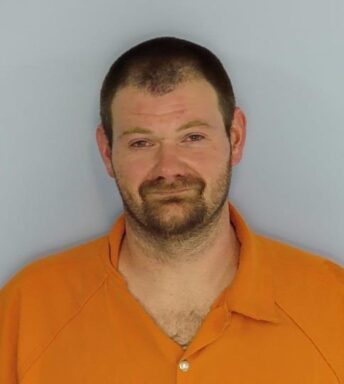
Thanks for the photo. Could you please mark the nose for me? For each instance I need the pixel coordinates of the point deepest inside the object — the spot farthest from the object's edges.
(169, 163)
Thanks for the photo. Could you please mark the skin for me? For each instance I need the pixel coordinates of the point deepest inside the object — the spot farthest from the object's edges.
(179, 247)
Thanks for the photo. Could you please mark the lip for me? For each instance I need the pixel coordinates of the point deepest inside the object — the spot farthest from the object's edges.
(171, 192)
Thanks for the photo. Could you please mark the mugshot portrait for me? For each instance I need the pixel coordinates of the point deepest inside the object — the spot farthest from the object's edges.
(172, 194)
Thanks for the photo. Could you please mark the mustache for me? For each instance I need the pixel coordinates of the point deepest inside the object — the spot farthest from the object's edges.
(159, 185)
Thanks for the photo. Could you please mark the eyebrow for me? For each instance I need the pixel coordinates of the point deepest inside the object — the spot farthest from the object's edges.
(190, 124)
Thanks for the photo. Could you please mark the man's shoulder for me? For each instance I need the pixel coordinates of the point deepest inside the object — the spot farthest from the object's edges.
(309, 292)
(45, 295)
(300, 266)
(72, 267)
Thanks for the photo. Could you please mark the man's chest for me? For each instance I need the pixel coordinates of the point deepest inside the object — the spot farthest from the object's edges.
(178, 319)
(180, 325)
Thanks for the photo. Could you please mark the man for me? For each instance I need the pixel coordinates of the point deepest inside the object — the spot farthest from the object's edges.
(180, 290)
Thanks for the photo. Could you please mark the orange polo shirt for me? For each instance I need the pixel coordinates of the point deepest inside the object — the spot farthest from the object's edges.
(69, 318)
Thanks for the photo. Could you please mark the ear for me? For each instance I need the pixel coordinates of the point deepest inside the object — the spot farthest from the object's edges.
(104, 149)
(238, 135)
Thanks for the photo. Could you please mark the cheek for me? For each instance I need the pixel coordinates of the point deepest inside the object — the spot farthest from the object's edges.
(209, 163)
(131, 172)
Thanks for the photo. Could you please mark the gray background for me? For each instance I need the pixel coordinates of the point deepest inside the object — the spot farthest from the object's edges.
(286, 61)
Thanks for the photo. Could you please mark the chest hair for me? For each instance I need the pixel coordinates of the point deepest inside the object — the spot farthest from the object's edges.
(180, 325)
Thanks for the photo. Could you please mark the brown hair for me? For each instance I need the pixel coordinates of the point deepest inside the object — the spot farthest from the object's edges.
(158, 66)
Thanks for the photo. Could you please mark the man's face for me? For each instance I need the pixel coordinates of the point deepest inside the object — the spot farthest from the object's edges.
(171, 157)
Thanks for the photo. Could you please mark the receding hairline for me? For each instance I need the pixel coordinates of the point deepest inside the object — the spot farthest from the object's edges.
(187, 80)
(163, 81)
(158, 66)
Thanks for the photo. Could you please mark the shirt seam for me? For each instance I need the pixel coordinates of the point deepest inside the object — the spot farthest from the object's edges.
(69, 320)
(312, 342)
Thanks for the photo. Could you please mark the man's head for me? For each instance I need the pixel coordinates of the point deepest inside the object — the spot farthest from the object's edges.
(168, 123)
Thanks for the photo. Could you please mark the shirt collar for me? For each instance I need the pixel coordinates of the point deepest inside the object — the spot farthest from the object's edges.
(251, 293)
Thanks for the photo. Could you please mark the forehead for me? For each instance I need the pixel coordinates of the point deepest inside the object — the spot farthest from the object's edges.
(188, 98)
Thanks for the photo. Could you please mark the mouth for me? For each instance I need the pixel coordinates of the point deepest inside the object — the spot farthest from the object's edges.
(171, 192)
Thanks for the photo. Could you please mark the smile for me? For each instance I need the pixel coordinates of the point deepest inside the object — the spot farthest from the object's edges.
(170, 192)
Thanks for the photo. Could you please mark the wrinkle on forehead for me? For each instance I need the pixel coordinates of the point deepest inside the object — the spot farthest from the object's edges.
(183, 95)
(194, 100)
(178, 112)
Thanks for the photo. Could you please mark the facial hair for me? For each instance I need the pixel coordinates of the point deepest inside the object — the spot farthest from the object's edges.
(176, 217)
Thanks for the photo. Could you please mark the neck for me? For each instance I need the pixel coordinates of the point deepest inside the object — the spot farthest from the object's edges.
(207, 259)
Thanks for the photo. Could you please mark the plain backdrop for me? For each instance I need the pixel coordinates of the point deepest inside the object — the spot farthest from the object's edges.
(285, 59)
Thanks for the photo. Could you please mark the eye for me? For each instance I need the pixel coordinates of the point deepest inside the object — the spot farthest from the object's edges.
(195, 137)
(138, 144)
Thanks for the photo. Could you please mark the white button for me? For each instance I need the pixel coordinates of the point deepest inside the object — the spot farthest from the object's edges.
(184, 365)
